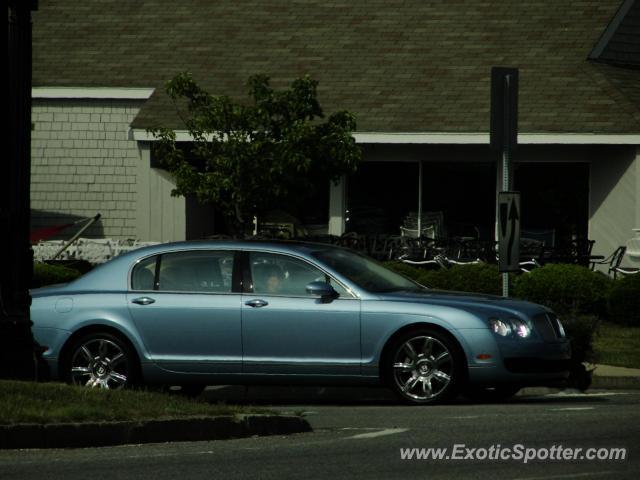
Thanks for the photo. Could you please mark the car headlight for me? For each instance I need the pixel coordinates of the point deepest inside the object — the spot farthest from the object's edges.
(520, 328)
(499, 327)
(512, 327)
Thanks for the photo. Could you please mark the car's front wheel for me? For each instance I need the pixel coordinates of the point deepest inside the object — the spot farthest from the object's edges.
(101, 360)
(423, 367)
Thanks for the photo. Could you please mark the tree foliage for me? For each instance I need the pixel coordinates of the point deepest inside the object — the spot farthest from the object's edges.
(247, 156)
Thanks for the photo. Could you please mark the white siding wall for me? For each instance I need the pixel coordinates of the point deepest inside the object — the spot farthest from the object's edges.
(84, 162)
(159, 217)
(614, 200)
(637, 203)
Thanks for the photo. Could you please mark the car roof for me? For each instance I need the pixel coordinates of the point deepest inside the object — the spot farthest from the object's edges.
(239, 244)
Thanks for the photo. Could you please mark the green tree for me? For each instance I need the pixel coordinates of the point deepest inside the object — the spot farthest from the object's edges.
(246, 156)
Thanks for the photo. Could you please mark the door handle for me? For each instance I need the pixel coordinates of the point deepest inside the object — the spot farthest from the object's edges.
(143, 300)
(257, 303)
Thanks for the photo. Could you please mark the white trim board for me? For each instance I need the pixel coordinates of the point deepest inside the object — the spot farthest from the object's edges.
(98, 93)
(458, 138)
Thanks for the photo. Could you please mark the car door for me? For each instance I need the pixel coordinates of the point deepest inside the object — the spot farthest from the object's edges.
(185, 308)
(285, 330)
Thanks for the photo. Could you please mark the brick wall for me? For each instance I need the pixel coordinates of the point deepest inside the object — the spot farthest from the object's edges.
(82, 163)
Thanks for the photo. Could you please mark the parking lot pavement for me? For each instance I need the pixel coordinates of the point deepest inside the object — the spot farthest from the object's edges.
(366, 438)
(285, 398)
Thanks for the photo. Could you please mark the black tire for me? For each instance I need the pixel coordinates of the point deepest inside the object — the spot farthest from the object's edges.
(491, 394)
(423, 367)
(101, 360)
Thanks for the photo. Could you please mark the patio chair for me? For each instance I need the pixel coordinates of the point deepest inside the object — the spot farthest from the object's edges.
(394, 247)
(352, 240)
(616, 268)
(377, 246)
(614, 260)
(610, 260)
(431, 225)
(582, 250)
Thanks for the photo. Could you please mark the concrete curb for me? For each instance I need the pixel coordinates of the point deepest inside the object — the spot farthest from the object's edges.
(612, 377)
(76, 435)
(615, 383)
(598, 382)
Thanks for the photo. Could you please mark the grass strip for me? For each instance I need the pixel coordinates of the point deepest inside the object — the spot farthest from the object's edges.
(30, 402)
(618, 345)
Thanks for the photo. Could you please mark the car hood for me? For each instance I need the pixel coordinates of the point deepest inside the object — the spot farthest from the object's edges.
(465, 300)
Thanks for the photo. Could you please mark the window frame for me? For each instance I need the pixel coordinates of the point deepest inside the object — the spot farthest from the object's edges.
(236, 283)
(247, 278)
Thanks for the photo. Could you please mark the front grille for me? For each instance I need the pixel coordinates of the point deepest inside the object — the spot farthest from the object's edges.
(555, 323)
(548, 327)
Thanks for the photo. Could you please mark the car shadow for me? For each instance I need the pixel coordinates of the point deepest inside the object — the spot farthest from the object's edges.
(287, 395)
(366, 396)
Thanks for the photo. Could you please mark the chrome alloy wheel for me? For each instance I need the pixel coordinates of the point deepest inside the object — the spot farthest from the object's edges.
(423, 367)
(99, 363)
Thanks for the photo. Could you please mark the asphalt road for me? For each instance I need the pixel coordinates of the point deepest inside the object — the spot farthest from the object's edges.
(363, 437)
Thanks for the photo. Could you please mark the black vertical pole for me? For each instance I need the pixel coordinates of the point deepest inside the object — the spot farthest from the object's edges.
(504, 133)
(17, 357)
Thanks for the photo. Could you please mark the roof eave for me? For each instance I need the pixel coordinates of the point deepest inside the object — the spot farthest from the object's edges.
(454, 138)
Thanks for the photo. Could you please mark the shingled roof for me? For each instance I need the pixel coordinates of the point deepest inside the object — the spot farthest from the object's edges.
(620, 42)
(399, 65)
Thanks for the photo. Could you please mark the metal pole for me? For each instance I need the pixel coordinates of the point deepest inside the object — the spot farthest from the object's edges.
(505, 188)
(76, 236)
(419, 198)
(505, 167)
(504, 138)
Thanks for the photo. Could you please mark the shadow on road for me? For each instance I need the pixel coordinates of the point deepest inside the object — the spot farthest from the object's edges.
(365, 396)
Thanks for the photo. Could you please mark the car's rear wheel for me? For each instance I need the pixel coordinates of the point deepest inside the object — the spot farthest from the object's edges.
(423, 367)
(101, 360)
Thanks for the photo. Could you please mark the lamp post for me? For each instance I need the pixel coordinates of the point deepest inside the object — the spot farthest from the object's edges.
(17, 352)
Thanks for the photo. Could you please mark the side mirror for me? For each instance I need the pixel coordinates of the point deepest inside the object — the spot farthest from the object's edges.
(322, 289)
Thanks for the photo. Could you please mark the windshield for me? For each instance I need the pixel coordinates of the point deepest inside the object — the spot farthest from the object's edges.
(365, 272)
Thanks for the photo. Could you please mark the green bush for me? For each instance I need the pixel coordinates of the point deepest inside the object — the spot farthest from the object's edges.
(405, 269)
(581, 330)
(476, 278)
(566, 289)
(428, 278)
(45, 274)
(624, 301)
(82, 266)
(432, 279)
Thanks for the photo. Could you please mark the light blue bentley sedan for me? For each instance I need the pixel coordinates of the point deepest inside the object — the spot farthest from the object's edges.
(245, 312)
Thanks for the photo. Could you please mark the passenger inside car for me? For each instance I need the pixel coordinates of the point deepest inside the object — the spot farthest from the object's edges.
(267, 278)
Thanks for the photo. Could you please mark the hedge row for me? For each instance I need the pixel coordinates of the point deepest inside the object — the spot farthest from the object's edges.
(45, 274)
(566, 289)
(624, 301)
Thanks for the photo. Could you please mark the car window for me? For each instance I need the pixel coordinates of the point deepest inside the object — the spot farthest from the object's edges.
(196, 271)
(365, 272)
(144, 274)
(275, 274)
